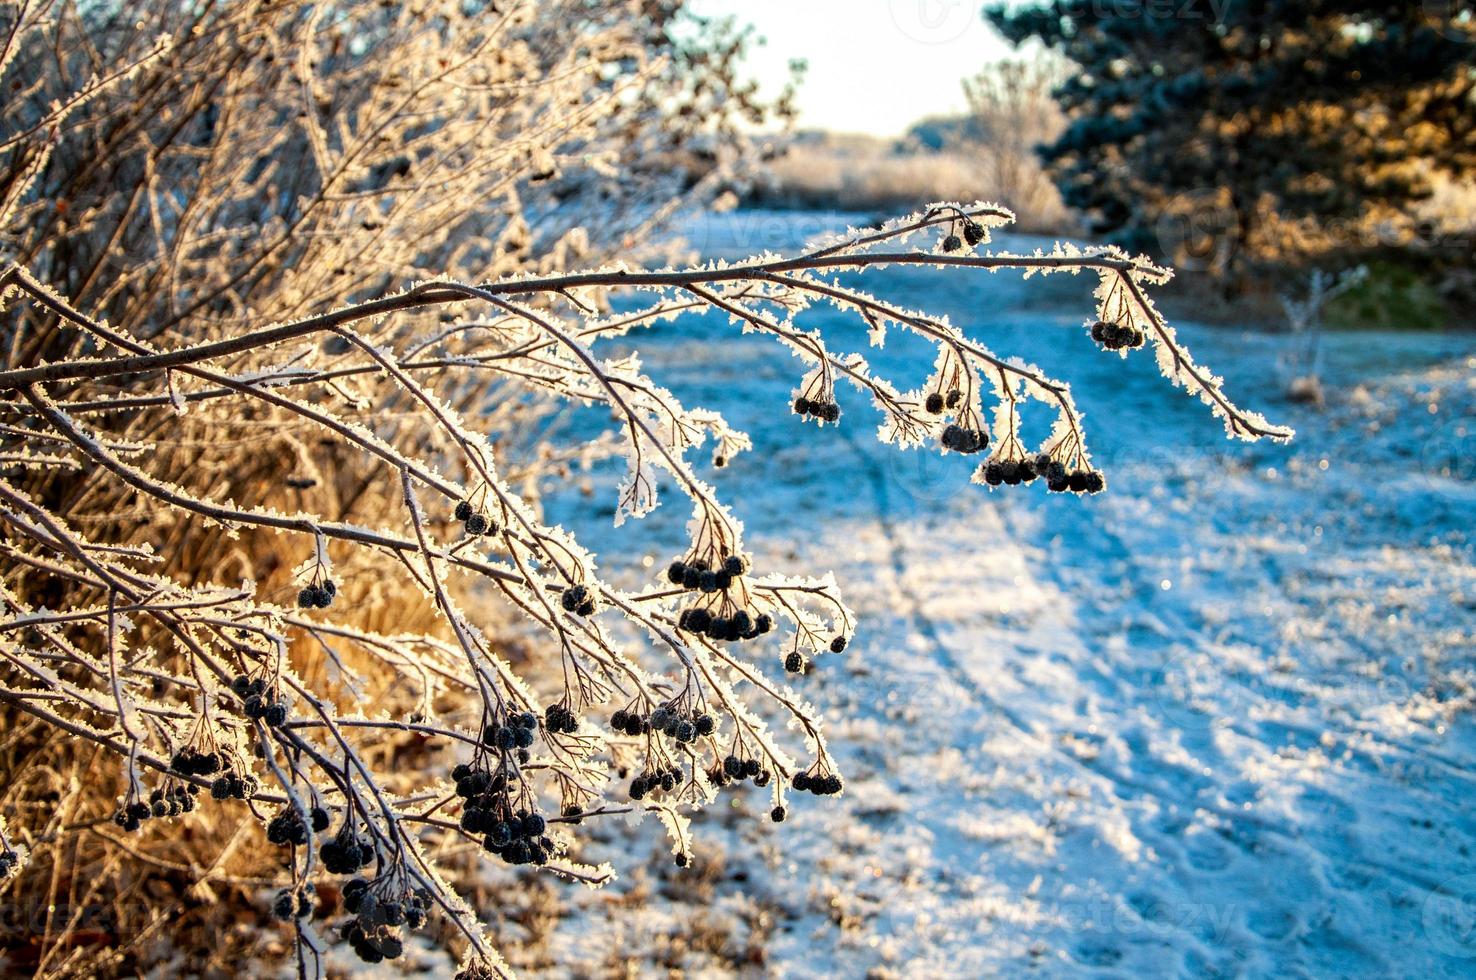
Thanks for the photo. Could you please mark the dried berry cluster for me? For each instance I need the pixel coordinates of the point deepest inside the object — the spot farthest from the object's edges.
(290, 904)
(739, 626)
(1059, 479)
(964, 440)
(191, 762)
(699, 573)
(1116, 336)
(347, 851)
(735, 769)
(824, 409)
(559, 718)
(630, 721)
(578, 599)
(374, 932)
(827, 784)
(260, 701)
(683, 725)
(169, 800)
(709, 620)
(522, 728)
(317, 595)
(515, 835)
(229, 786)
(287, 826)
(474, 521)
(661, 779)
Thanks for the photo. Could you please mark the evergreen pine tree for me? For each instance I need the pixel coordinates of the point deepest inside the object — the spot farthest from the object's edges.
(1240, 134)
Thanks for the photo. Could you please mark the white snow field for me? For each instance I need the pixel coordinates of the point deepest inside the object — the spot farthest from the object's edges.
(1214, 722)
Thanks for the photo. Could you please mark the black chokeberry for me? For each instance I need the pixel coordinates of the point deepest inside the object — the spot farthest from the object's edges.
(676, 573)
(476, 524)
(973, 232)
(838, 644)
(794, 663)
(777, 814)
(735, 565)
(952, 243)
(934, 403)
(463, 511)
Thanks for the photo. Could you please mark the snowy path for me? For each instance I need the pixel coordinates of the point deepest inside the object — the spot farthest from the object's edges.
(1216, 722)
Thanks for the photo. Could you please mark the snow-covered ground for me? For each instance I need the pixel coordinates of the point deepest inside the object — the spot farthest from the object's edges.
(1214, 722)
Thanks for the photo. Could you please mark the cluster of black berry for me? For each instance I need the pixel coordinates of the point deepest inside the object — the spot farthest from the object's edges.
(825, 411)
(260, 701)
(664, 780)
(560, 718)
(346, 852)
(169, 800)
(518, 838)
(374, 932)
(700, 575)
(630, 721)
(1058, 478)
(291, 905)
(1115, 336)
(190, 762)
(518, 733)
(229, 786)
(577, 599)
(473, 521)
(739, 626)
(826, 785)
(937, 401)
(287, 827)
(1011, 472)
(735, 770)
(317, 596)
(962, 439)
(683, 725)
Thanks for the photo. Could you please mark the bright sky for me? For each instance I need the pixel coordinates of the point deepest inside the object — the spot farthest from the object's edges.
(876, 66)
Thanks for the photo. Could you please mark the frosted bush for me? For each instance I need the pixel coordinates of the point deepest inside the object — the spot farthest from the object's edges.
(265, 549)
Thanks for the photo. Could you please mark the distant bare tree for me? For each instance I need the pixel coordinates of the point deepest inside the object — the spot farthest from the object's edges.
(1012, 112)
